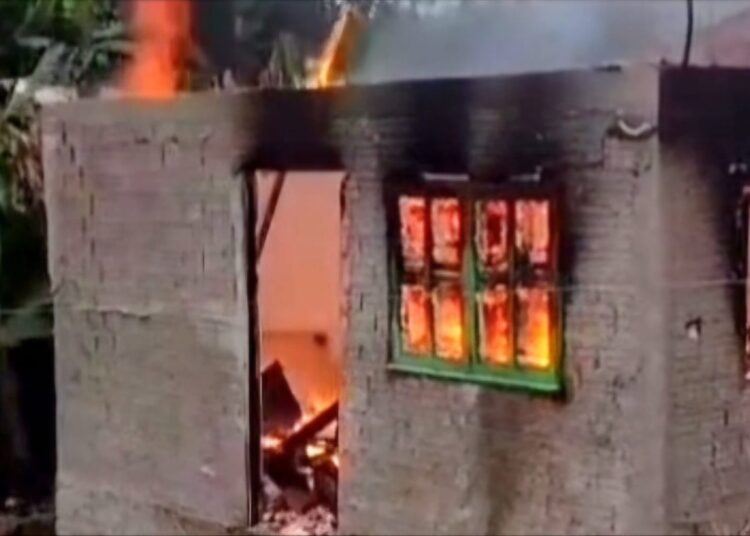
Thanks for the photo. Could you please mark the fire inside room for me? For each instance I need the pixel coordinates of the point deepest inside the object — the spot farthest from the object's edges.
(417, 303)
(301, 352)
(476, 273)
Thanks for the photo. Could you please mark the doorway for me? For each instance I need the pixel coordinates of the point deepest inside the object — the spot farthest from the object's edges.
(298, 247)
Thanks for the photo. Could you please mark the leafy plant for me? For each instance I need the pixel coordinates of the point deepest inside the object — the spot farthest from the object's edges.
(42, 43)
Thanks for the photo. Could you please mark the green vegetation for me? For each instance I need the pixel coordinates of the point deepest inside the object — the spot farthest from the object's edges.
(42, 43)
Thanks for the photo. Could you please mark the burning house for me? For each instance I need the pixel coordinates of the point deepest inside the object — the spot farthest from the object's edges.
(542, 302)
(520, 306)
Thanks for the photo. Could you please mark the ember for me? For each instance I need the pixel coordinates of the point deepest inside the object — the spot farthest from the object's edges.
(162, 35)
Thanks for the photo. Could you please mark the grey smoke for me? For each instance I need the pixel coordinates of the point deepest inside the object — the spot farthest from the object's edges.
(475, 38)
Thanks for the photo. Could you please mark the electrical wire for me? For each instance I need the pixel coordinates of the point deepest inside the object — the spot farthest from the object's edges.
(560, 288)
(688, 34)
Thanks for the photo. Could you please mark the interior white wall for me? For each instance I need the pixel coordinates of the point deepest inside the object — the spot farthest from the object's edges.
(299, 287)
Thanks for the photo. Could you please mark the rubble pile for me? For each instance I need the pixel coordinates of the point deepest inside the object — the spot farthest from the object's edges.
(318, 521)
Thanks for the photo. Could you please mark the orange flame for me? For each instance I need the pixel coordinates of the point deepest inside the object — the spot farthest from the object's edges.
(536, 330)
(449, 323)
(339, 48)
(162, 34)
(495, 324)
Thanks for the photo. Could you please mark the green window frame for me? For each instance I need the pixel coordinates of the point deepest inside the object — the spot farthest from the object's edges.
(479, 284)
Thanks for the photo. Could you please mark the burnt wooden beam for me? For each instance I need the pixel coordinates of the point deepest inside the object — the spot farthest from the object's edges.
(280, 407)
(273, 201)
(308, 430)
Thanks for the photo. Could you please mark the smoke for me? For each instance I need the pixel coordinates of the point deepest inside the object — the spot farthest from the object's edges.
(487, 37)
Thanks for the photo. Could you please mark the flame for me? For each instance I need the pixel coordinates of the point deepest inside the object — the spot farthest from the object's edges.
(537, 332)
(314, 450)
(162, 34)
(271, 442)
(492, 235)
(446, 232)
(449, 323)
(533, 229)
(335, 460)
(413, 214)
(496, 344)
(415, 319)
(339, 48)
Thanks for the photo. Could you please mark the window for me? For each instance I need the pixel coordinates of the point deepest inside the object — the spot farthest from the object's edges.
(474, 276)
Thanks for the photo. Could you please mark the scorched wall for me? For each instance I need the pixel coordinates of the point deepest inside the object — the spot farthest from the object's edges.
(704, 154)
(146, 256)
(146, 234)
(423, 456)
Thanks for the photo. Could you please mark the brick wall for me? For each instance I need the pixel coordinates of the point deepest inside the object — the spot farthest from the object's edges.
(425, 456)
(146, 234)
(708, 434)
(145, 253)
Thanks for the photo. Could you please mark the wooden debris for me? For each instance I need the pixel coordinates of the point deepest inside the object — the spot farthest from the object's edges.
(309, 429)
(281, 410)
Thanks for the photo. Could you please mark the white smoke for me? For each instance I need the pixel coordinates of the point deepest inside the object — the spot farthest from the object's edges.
(479, 37)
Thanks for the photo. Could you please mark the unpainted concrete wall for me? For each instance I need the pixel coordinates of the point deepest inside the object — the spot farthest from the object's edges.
(709, 410)
(146, 256)
(424, 456)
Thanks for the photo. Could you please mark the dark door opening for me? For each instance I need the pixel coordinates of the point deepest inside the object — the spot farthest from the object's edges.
(27, 435)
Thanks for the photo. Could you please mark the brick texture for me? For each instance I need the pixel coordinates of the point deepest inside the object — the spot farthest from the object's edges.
(146, 235)
(708, 431)
(145, 253)
(425, 456)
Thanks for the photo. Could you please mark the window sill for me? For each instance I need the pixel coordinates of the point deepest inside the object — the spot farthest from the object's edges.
(531, 385)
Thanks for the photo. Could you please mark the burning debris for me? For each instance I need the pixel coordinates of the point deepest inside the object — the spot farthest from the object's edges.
(300, 461)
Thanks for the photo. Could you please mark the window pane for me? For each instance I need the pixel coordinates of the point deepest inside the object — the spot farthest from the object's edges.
(534, 327)
(492, 235)
(494, 326)
(533, 233)
(449, 322)
(446, 232)
(415, 319)
(413, 219)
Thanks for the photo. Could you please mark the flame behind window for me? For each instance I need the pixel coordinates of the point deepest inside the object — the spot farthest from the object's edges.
(533, 231)
(449, 322)
(534, 327)
(446, 232)
(494, 322)
(492, 235)
(415, 320)
(413, 216)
